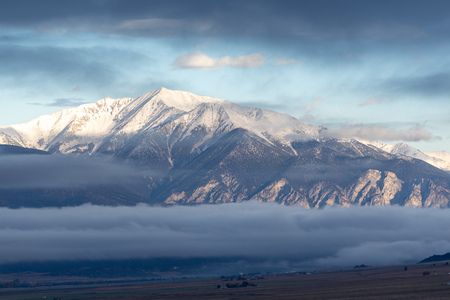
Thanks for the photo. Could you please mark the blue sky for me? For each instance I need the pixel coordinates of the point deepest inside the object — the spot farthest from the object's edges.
(370, 69)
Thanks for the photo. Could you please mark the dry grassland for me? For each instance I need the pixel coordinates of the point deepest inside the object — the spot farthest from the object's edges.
(393, 282)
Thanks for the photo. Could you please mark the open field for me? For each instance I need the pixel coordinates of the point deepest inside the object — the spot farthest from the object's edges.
(393, 282)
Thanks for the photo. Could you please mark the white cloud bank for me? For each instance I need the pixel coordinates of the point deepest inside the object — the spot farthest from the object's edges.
(334, 237)
(375, 132)
(199, 60)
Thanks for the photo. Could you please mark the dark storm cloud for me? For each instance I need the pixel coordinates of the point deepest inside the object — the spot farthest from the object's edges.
(331, 237)
(313, 19)
(60, 171)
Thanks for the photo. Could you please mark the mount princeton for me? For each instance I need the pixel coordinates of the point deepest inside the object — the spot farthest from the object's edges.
(173, 147)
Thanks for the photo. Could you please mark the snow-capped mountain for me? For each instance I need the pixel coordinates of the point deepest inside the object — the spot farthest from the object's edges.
(109, 123)
(440, 159)
(197, 149)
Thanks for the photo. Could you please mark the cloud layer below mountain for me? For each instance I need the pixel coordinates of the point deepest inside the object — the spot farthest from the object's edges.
(61, 171)
(334, 237)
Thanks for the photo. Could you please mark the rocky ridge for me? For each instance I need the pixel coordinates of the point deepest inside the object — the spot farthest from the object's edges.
(204, 150)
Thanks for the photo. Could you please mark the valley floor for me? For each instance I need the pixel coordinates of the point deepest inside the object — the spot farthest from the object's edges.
(419, 281)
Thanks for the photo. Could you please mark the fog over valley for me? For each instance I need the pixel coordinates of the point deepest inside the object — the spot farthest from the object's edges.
(62, 171)
(335, 237)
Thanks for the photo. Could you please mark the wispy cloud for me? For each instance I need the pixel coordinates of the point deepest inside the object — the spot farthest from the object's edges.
(284, 62)
(393, 30)
(424, 86)
(63, 102)
(375, 132)
(341, 237)
(308, 108)
(199, 60)
(164, 25)
(375, 101)
(150, 23)
(308, 118)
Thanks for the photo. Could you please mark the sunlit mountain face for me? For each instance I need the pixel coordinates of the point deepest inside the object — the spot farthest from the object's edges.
(174, 147)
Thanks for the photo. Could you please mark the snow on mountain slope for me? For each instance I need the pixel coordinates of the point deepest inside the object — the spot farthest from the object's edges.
(110, 124)
(85, 128)
(88, 121)
(186, 148)
(440, 159)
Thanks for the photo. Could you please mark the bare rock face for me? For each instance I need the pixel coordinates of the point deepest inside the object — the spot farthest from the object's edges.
(205, 150)
(321, 174)
(375, 188)
(425, 193)
(282, 192)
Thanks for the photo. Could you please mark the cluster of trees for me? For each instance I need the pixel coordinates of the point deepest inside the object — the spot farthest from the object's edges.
(16, 283)
(360, 266)
(237, 285)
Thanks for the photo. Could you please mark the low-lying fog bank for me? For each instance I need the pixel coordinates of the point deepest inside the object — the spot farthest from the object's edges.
(267, 234)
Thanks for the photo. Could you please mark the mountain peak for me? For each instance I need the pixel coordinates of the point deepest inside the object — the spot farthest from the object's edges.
(179, 99)
(163, 90)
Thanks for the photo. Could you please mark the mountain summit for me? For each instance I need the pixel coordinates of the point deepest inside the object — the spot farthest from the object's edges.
(205, 150)
(111, 123)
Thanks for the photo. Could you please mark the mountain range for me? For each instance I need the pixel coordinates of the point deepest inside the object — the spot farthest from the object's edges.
(188, 149)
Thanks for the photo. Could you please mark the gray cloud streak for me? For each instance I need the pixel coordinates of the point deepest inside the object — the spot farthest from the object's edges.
(375, 101)
(430, 85)
(60, 171)
(332, 237)
(64, 102)
(375, 132)
(95, 67)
